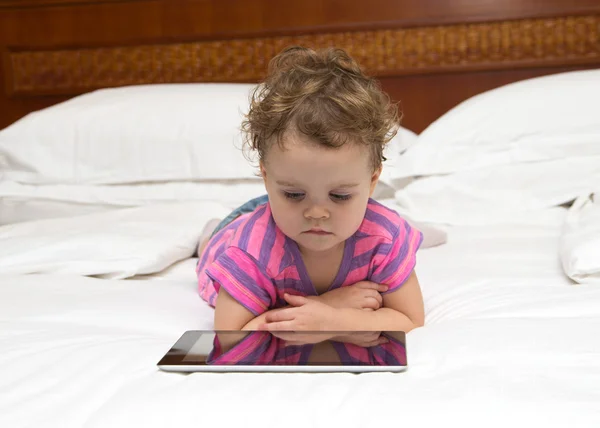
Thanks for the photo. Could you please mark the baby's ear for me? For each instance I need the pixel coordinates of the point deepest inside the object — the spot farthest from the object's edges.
(263, 171)
(375, 179)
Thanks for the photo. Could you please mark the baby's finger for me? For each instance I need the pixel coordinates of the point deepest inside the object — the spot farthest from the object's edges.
(375, 295)
(370, 285)
(371, 303)
(278, 326)
(382, 288)
(283, 315)
(295, 300)
(367, 285)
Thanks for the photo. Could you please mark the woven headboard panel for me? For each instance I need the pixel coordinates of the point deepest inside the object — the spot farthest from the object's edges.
(428, 56)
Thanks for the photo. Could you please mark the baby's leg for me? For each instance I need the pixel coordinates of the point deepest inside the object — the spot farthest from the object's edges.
(206, 234)
(214, 225)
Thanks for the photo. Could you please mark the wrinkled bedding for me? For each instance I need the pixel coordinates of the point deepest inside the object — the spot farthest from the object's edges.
(509, 340)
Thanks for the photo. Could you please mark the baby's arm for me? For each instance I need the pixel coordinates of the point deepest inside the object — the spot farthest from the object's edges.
(232, 315)
(229, 313)
(254, 323)
(402, 311)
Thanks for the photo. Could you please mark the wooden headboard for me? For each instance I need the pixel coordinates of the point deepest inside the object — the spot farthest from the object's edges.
(428, 54)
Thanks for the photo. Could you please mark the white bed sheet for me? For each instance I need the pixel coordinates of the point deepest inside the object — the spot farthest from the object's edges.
(509, 341)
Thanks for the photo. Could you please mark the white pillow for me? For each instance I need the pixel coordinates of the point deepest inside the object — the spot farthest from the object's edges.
(116, 244)
(137, 134)
(494, 194)
(390, 180)
(580, 240)
(541, 119)
(130, 135)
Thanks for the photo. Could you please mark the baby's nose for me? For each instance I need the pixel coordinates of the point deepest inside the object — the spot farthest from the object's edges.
(316, 211)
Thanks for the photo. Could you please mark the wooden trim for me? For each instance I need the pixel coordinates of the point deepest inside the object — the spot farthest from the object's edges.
(279, 16)
(391, 52)
(27, 4)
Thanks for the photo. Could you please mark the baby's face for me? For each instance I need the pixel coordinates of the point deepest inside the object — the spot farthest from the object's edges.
(318, 195)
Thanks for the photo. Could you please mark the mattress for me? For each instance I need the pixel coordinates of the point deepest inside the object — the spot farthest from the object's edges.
(508, 340)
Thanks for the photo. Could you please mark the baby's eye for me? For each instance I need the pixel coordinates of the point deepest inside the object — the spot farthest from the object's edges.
(339, 197)
(295, 196)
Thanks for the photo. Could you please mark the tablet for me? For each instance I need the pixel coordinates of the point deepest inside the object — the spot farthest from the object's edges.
(262, 351)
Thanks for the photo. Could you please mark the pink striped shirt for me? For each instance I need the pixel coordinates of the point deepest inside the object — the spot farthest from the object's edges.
(256, 263)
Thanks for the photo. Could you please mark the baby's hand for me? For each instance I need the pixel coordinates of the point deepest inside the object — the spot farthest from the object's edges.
(362, 295)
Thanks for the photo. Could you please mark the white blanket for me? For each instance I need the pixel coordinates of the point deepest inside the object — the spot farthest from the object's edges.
(507, 342)
(115, 244)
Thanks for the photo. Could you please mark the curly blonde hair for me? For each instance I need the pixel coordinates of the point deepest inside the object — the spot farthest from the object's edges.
(323, 95)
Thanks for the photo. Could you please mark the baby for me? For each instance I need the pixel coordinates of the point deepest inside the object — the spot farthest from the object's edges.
(315, 253)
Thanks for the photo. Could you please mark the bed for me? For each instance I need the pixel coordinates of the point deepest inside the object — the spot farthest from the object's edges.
(97, 258)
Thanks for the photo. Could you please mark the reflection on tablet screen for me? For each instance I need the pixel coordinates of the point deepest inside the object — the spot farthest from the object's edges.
(253, 348)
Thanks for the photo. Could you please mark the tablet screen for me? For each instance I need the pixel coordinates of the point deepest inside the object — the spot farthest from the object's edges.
(260, 348)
